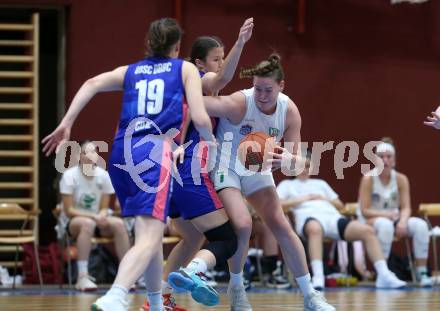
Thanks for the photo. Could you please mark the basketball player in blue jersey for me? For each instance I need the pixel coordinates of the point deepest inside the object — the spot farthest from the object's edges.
(195, 209)
(262, 108)
(141, 160)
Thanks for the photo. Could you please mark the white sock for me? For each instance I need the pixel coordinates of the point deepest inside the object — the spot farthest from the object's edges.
(304, 284)
(155, 299)
(197, 265)
(236, 278)
(166, 288)
(118, 291)
(82, 267)
(421, 270)
(381, 267)
(317, 268)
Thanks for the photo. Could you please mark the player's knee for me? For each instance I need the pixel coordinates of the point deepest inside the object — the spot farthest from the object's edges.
(384, 228)
(87, 226)
(419, 228)
(243, 228)
(313, 228)
(367, 230)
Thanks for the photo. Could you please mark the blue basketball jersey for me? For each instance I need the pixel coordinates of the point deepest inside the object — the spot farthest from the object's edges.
(193, 135)
(153, 89)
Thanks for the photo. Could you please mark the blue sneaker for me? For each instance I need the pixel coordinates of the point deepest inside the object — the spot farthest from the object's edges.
(200, 290)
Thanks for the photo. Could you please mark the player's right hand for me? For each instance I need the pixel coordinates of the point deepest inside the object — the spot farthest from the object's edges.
(55, 139)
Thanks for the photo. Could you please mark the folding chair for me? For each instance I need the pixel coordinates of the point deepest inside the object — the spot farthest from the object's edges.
(65, 242)
(27, 233)
(349, 209)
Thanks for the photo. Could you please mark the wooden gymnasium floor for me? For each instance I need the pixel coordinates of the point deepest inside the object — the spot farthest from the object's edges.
(344, 299)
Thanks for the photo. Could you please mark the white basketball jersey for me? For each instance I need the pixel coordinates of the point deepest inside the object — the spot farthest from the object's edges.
(253, 121)
(385, 197)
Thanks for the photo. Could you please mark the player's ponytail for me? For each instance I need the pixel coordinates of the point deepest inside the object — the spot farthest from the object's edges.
(162, 35)
(271, 67)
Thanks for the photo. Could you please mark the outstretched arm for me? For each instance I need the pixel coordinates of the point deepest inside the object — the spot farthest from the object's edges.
(214, 82)
(232, 107)
(105, 82)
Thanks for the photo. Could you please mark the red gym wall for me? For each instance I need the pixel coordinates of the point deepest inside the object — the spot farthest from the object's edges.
(360, 71)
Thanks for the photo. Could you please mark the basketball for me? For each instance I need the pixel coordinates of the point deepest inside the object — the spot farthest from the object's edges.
(253, 148)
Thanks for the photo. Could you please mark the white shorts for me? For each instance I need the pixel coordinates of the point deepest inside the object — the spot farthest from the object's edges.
(226, 178)
(329, 223)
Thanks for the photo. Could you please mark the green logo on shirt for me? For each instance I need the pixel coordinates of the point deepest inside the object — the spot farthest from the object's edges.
(88, 200)
(273, 132)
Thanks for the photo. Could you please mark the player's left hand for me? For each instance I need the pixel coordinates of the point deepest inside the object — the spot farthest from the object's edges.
(280, 157)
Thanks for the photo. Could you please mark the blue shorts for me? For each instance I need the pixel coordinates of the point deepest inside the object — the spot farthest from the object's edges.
(146, 190)
(197, 196)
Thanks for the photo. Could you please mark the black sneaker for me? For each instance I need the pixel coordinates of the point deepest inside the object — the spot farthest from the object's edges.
(278, 282)
(277, 279)
(247, 284)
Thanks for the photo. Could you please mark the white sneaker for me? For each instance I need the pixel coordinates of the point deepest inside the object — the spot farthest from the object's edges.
(316, 302)
(318, 282)
(238, 298)
(389, 280)
(85, 284)
(424, 280)
(109, 303)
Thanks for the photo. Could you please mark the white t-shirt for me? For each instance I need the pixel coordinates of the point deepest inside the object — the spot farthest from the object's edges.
(296, 188)
(86, 192)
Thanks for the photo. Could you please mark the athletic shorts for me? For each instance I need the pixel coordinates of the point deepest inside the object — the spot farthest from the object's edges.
(333, 225)
(227, 178)
(197, 195)
(142, 189)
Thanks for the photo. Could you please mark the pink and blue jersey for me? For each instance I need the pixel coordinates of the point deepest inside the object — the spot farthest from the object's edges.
(197, 195)
(141, 160)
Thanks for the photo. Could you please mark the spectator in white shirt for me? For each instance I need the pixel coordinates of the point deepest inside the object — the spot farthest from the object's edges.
(315, 206)
(86, 190)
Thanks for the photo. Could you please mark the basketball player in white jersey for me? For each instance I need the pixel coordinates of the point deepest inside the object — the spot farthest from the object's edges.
(434, 119)
(262, 108)
(385, 204)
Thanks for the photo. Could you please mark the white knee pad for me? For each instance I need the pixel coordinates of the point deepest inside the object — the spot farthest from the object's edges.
(385, 233)
(418, 230)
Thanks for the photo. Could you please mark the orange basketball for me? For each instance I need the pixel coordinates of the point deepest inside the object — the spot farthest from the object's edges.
(253, 148)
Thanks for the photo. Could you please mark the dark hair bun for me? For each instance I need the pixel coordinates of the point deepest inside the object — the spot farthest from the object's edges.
(274, 58)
